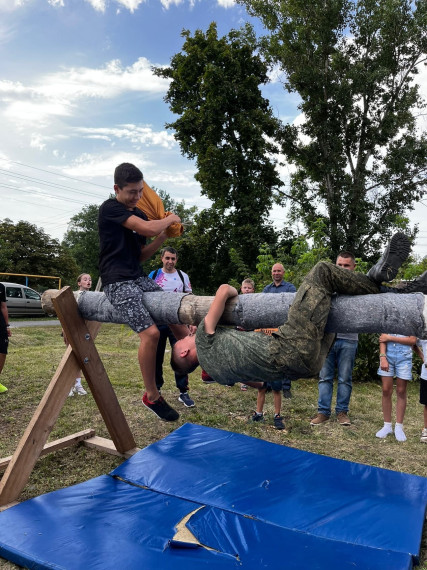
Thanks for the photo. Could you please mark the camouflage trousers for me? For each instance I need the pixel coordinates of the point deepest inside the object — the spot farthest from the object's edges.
(301, 345)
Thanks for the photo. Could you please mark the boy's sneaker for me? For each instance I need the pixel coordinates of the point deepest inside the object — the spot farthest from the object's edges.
(161, 408)
(2, 388)
(319, 419)
(185, 399)
(343, 419)
(257, 418)
(243, 387)
(71, 393)
(79, 390)
(278, 422)
(206, 379)
(394, 255)
(417, 285)
(423, 437)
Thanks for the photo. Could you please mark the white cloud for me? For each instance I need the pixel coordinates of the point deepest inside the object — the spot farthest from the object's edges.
(226, 3)
(131, 5)
(10, 5)
(57, 94)
(138, 135)
(56, 3)
(98, 5)
(95, 165)
(37, 142)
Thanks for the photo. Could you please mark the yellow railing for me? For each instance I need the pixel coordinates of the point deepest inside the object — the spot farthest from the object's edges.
(28, 275)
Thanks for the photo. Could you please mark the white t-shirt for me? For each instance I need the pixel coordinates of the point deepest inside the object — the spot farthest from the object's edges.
(172, 282)
(423, 345)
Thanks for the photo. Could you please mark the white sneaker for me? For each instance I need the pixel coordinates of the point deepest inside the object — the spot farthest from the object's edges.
(80, 391)
(71, 392)
(384, 432)
(423, 437)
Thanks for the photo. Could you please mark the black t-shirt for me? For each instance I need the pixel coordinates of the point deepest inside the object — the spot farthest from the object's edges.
(2, 300)
(120, 248)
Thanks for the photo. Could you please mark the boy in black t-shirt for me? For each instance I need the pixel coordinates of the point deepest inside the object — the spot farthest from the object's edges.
(123, 230)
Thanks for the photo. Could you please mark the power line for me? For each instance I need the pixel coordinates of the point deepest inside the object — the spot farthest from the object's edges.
(51, 172)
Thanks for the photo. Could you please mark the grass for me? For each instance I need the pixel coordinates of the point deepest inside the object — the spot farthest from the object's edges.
(36, 351)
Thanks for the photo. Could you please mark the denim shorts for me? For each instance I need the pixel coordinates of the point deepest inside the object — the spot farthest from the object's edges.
(399, 362)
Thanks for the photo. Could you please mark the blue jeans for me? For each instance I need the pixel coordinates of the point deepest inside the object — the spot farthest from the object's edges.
(180, 380)
(341, 356)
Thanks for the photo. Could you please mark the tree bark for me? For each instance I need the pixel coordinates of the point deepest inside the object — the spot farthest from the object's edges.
(390, 312)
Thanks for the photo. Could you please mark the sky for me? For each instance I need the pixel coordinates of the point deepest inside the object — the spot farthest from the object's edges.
(77, 98)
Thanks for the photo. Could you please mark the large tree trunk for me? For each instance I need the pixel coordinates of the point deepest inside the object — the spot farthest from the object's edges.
(389, 312)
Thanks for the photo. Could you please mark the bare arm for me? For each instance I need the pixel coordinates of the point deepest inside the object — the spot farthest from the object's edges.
(410, 340)
(5, 316)
(151, 228)
(149, 250)
(222, 295)
(383, 358)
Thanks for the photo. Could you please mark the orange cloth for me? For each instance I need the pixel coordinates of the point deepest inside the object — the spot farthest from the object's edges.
(152, 206)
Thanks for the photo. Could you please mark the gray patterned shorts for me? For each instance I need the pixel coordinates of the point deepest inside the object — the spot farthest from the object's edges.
(126, 298)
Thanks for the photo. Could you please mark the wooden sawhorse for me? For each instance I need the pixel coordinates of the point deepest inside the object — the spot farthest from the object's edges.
(81, 354)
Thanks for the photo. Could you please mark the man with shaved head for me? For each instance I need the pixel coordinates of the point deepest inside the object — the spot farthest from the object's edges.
(279, 285)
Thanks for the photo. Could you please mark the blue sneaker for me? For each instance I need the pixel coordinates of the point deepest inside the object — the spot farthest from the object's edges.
(278, 422)
(185, 399)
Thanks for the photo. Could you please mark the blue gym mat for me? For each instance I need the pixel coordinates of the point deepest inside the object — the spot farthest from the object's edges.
(248, 504)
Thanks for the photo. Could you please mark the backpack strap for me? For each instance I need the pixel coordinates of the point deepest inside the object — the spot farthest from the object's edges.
(182, 279)
(155, 275)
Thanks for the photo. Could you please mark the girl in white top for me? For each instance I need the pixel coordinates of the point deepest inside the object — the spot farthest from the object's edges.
(421, 350)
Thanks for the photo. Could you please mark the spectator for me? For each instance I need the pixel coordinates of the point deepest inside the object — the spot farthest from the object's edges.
(84, 283)
(421, 349)
(175, 281)
(395, 362)
(4, 332)
(247, 286)
(279, 285)
(341, 359)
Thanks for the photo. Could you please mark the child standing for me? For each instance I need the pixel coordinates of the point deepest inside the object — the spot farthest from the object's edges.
(421, 350)
(395, 361)
(84, 283)
(276, 388)
(247, 286)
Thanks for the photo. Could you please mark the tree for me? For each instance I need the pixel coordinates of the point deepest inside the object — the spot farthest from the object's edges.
(360, 159)
(82, 240)
(227, 126)
(26, 249)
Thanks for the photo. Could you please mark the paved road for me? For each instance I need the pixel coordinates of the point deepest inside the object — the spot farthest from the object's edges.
(34, 323)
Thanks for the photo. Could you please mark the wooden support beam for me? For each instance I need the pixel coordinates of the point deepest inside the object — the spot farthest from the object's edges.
(67, 441)
(106, 445)
(81, 354)
(85, 351)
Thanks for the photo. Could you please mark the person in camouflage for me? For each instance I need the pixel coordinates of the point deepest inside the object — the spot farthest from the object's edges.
(299, 348)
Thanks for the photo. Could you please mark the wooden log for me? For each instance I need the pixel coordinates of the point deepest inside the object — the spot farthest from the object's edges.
(388, 312)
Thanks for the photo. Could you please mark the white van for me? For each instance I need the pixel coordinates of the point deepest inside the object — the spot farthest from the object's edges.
(22, 301)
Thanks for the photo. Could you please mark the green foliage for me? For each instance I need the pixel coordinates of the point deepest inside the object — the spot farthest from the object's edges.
(358, 154)
(367, 359)
(227, 126)
(24, 248)
(82, 240)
